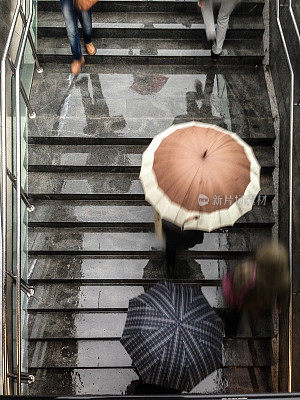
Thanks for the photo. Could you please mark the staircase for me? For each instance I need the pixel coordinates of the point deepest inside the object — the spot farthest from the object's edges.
(92, 245)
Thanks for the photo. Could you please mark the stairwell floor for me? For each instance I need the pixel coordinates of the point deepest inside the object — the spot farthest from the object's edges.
(91, 253)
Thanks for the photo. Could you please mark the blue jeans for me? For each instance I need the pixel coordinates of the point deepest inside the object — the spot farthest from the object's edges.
(71, 16)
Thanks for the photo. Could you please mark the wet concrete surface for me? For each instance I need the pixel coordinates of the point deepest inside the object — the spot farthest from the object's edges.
(108, 213)
(79, 314)
(88, 105)
(68, 324)
(99, 297)
(111, 354)
(105, 184)
(108, 240)
(109, 156)
(119, 381)
(118, 269)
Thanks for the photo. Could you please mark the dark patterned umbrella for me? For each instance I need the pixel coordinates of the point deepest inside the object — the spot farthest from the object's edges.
(173, 336)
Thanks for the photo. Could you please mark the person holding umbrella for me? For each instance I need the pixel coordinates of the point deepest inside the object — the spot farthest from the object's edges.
(198, 177)
(173, 337)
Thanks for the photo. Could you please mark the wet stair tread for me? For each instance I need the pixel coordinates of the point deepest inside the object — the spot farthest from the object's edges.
(139, 107)
(92, 244)
(107, 184)
(99, 298)
(87, 269)
(97, 326)
(150, 21)
(60, 381)
(111, 81)
(103, 240)
(77, 109)
(246, 7)
(108, 353)
(133, 48)
(109, 130)
(94, 157)
(93, 213)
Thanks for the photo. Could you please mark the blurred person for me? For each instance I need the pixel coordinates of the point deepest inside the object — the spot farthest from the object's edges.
(216, 35)
(258, 285)
(71, 16)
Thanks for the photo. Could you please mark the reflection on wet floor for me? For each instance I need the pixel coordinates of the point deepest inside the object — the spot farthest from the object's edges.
(128, 104)
(142, 105)
(87, 268)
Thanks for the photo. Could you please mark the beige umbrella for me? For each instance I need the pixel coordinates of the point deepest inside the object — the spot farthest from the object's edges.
(200, 176)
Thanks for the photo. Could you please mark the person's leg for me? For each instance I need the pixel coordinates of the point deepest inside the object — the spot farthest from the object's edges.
(85, 18)
(208, 19)
(70, 17)
(226, 9)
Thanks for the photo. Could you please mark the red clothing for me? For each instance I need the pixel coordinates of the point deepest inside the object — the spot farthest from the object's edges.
(235, 299)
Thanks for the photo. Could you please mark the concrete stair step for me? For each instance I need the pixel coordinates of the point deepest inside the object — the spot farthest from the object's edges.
(149, 25)
(92, 96)
(56, 213)
(55, 297)
(151, 52)
(94, 241)
(248, 7)
(110, 105)
(84, 158)
(115, 381)
(109, 270)
(86, 354)
(241, 82)
(133, 131)
(96, 326)
(100, 185)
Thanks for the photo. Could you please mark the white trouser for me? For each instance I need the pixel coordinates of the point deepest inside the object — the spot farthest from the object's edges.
(218, 35)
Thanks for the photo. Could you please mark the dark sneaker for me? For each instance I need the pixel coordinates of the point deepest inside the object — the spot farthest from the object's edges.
(215, 57)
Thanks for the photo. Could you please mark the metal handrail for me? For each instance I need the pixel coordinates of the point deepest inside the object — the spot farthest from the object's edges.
(16, 181)
(13, 180)
(294, 20)
(18, 201)
(291, 147)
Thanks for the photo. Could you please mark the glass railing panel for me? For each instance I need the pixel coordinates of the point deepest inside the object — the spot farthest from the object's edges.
(24, 297)
(26, 74)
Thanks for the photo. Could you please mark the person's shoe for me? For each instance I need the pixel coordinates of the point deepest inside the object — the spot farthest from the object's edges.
(76, 66)
(90, 48)
(215, 57)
